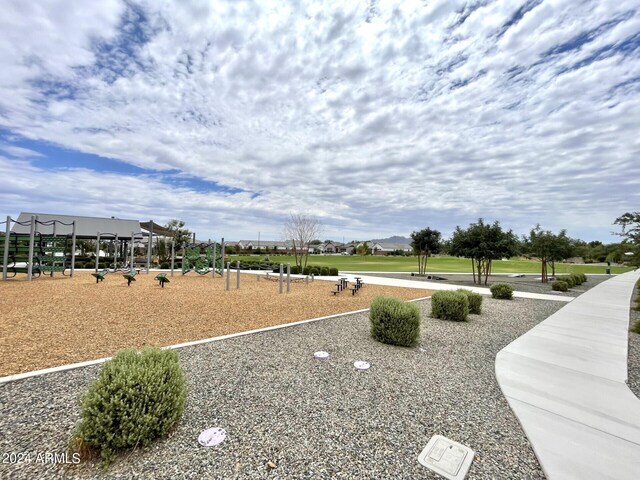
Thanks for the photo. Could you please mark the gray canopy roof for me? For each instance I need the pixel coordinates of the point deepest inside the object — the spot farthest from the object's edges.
(86, 227)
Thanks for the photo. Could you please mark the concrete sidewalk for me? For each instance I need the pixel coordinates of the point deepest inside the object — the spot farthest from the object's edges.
(396, 282)
(565, 381)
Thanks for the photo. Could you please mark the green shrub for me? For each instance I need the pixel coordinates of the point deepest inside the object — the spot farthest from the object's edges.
(295, 269)
(333, 271)
(395, 322)
(502, 291)
(314, 271)
(137, 397)
(165, 265)
(560, 286)
(570, 281)
(583, 277)
(577, 278)
(324, 271)
(449, 305)
(636, 327)
(474, 299)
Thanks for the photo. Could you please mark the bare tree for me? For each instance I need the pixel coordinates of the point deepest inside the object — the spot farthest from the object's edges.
(300, 230)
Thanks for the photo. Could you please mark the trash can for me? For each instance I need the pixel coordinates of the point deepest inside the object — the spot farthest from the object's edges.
(608, 271)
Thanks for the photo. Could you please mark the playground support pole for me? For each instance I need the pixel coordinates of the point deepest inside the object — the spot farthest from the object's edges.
(228, 275)
(73, 248)
(115, 254)
(213, 269)
(132, 249)
(32, 237)
(97, 251)
(5, 258)
(288, 277)
(54, 236)
(280, 280)
(215, 261)
(149, 246)
(238, 275)
(173, 255)
(222, 253)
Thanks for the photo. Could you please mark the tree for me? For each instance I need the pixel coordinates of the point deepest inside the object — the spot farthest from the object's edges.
(300, 230)
(363, 249)
(548, 247)
(483, 243)
(178, 232)
(630, 223)
(424, 243)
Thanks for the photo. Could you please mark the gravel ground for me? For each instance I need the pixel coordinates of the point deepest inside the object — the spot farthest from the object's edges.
(311, 419)
(61, 320)
(634, 348)
(523, 284)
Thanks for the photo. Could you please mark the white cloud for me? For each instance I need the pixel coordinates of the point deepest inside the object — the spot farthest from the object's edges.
(379, 117)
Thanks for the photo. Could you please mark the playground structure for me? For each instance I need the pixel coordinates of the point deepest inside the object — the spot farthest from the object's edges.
(43, 250)
(123, 248)
(201, 258)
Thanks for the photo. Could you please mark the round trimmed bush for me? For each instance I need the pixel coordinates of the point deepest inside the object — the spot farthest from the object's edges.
(559, 286)
(502, 291)
(137, 397)
(333, 271)
(450, 305)
(395, 322)
(474, 299)
(577, 279)
(571, 282)
(324, 271)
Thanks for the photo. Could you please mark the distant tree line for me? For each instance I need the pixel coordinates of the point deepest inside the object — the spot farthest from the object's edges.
(483, 243)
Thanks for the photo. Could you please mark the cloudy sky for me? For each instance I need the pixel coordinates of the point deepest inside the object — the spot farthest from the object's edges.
(378, 117)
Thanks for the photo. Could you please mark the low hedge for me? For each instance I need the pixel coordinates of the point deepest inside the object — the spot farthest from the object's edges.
(502, 291)
(560, 286)
(475, 301)
(395, 322)
(450, 305)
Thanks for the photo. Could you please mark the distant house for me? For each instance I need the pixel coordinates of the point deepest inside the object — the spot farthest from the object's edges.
(330, 247)
(387, 248)
(264, 245)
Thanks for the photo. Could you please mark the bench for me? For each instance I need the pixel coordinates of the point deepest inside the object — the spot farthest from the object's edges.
(162, 278)
(100, 275)
(130, 276)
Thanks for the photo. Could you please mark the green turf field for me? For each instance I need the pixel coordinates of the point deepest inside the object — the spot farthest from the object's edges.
(435, 264)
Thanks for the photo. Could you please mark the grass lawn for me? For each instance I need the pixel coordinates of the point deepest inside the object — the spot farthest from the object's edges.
(435, 264)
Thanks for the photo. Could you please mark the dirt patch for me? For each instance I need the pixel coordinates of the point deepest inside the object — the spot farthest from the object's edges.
(55, 321)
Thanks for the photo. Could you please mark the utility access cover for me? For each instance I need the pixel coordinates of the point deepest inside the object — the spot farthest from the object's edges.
(446, 457)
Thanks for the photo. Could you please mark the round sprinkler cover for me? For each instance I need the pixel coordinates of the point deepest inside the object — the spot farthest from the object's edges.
(360, 365)
(321, 355)
(212, 437)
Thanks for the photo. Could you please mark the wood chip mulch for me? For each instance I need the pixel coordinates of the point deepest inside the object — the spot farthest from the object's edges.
(60, 320)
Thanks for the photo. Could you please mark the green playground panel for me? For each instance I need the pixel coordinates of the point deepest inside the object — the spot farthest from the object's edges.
(194, 259)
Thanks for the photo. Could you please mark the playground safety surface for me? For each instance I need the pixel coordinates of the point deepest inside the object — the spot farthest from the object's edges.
(61, 320)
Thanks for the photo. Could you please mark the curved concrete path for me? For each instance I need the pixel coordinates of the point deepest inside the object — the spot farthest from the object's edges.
(565, 381)
(399, 282)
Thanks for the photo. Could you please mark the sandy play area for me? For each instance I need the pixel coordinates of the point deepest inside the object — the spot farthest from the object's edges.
(56, 321)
